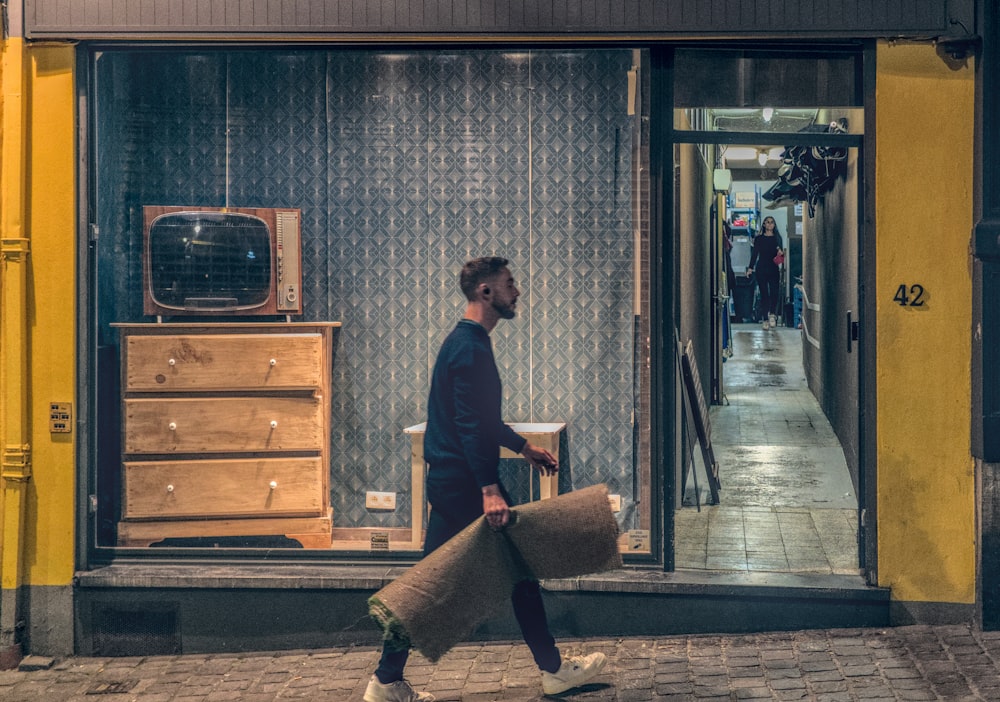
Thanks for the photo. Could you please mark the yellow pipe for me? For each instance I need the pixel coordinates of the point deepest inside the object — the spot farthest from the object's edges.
(15, 461)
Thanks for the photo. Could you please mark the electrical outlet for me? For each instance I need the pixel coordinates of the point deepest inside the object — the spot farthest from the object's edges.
(380, 500)
(616, 502)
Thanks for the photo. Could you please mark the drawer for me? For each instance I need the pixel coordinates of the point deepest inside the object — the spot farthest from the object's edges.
(264, 487)
(223, 424)
(214, 362)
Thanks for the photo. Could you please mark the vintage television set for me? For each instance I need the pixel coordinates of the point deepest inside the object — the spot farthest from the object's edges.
(221, 261)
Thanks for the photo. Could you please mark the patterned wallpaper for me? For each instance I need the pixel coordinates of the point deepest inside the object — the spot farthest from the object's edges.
(404, 166)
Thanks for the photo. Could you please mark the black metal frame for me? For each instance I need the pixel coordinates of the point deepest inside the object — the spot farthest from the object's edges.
(90, 554)
(663, 436)
(867, 347)
(986, 316)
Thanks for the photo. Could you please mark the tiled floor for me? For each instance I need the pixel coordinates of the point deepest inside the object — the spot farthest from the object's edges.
(787, 503)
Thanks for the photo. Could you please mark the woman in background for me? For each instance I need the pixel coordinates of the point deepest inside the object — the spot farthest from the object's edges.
(766, 247)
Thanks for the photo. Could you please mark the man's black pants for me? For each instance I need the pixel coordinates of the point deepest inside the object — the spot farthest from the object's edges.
(526, 598)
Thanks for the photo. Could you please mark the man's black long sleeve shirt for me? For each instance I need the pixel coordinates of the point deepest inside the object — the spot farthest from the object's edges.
(464, 426)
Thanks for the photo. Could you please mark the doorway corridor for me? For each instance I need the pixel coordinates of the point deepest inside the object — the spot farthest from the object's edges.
(787, 503)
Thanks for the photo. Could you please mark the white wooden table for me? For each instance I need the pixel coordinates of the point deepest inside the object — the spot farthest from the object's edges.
(542, 435)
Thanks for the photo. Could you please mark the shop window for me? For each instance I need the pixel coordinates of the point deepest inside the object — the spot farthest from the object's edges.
(399, 166)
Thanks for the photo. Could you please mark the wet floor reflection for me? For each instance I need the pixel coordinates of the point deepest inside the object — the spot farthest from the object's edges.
(787, 501)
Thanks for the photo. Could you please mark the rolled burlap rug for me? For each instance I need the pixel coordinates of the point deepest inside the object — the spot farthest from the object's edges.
(443, 598)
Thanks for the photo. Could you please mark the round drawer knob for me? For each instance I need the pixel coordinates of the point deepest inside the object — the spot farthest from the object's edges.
(171, 362)
(274, 484)
(274, 424)
(170, 488)
(274, 361)
(172, 426)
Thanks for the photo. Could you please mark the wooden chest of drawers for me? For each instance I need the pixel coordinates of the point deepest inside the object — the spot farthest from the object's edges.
(226, 431)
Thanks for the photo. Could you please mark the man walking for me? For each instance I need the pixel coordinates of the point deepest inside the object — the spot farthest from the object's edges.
(462, 448)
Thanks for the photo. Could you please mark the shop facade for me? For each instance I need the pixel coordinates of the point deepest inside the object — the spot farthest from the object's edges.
(391, 144)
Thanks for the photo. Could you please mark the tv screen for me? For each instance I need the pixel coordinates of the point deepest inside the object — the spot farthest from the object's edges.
(209, 261)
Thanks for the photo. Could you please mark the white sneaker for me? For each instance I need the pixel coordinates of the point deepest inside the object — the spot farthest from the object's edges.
(399, 691)
(574, 671)
(767, 324)
(772, 320)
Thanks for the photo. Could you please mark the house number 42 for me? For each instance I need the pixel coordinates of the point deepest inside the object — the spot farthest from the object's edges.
(912, 296)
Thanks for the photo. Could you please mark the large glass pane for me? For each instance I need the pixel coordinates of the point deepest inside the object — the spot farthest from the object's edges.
(399, 166)
(785, 76)
(769, 119)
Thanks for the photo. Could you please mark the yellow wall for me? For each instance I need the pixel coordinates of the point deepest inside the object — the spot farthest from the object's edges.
(52, 324)
(924, 188)
(48, 192)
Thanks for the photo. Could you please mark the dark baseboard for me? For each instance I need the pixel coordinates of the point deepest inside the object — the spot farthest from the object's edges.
(146, 610)
(905, 613)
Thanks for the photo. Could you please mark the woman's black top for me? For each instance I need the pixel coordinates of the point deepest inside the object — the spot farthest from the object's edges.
(765, 248)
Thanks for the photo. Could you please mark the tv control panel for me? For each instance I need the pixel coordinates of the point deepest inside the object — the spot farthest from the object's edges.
(289, 261)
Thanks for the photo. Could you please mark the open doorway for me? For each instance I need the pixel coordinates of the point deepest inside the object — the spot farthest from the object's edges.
(784, 395)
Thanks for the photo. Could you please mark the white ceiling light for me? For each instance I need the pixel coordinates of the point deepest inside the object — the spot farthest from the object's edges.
(767, 113)
(722, 179)
(762, 157)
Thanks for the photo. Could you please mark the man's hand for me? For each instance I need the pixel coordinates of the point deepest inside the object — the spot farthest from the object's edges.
(495, 507)
(542, 460)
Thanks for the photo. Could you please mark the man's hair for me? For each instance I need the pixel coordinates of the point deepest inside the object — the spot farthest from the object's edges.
(477, 270)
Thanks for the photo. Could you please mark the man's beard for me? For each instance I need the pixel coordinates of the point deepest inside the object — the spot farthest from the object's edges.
(505, 311)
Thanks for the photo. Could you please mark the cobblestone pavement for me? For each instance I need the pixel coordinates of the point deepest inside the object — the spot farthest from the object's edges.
(904, 663)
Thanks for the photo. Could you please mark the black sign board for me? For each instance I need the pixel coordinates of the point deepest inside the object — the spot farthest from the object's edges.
(695, 400)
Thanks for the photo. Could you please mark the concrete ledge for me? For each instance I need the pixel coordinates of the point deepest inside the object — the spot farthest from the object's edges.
(373, 577)
(147, 609)
(720, 583)
(250, 577)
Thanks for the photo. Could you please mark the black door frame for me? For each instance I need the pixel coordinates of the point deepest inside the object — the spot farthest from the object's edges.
(867, 347)
(986, 316)
(665, 314)
(664, 430)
